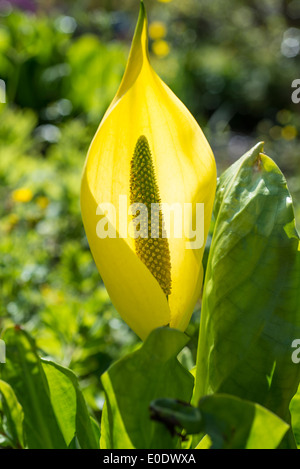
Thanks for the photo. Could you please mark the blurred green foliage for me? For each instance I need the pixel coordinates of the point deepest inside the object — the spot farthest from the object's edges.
(231, 64)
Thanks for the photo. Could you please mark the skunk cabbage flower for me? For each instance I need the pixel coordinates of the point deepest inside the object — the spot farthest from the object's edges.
(148, 160)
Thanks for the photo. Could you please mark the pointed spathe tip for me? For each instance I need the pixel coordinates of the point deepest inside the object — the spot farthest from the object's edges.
(142, 20)
(143, 13)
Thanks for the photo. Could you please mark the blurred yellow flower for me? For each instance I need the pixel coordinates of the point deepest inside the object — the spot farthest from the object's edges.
(161, 48)
(164, 1)
(289, 132)
(42, 202)
(157, 30)
(22, 195)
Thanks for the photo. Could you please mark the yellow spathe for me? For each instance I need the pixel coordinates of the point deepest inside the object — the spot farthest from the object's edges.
(185, 172)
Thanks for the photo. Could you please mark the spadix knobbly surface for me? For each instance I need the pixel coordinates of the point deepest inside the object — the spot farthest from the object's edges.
(185, 173)
(152, 246)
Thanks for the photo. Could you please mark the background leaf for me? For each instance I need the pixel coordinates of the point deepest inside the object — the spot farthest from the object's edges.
(133, 382)
(251, 301)
(63, 400)
(24, 372)
(295, 413)
(55, 411)
(70, 407)
(12, 419)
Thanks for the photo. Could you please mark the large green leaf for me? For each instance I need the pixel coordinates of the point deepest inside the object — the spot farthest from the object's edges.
(54, 408)
(12, 418)
(228, 422)
(24, 372)
(234, 423)
(63, 400)
(251, 302)
(131, 384)
(69, 406)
